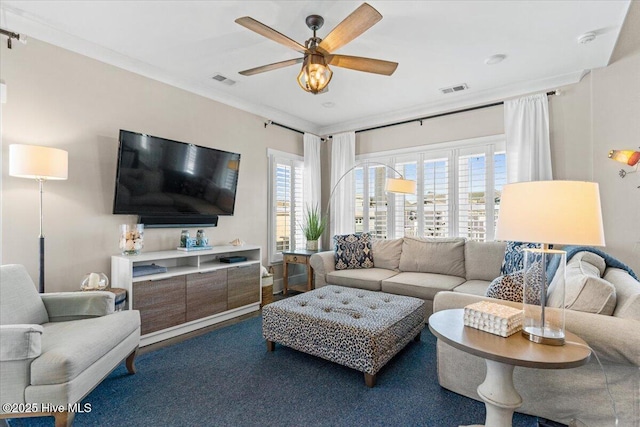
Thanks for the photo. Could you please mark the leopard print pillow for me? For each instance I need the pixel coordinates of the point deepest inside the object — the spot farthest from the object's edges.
(510, 287)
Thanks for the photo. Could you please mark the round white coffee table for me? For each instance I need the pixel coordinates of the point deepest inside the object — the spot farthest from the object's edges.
(502, 355)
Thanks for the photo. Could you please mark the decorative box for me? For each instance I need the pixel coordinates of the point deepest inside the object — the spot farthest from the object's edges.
(494, 318)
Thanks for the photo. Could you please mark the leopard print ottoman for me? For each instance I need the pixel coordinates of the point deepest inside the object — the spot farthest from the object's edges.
(353, 327)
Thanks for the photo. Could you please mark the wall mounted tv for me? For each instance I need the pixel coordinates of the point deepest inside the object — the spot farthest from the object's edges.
(172, 184)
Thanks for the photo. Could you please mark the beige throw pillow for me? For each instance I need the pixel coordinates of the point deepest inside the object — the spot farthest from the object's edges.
(433, 255)
(386, 253)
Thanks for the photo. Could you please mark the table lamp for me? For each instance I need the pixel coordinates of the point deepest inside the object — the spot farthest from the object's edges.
(41, 164)
(548, 212)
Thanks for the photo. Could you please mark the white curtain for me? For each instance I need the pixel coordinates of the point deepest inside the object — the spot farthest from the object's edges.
(312, 144)
(311, 187)
(343, 158)
(526, 124)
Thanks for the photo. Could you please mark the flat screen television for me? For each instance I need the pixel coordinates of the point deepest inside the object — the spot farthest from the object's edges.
(174, 183)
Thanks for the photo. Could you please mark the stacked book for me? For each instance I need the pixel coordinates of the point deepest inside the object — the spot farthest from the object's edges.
(494, 318)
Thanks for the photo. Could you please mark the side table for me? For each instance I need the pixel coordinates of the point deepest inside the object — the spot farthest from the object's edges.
(502, 355)
(121, 298)
(296, 257)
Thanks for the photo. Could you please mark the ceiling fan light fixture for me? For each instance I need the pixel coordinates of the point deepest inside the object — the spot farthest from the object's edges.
(315, 74)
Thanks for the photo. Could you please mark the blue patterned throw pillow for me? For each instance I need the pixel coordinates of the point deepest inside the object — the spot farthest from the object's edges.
(514, 256)
(353, 251)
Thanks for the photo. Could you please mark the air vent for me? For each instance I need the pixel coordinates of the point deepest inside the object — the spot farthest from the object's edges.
(223, 79)
(456, 88)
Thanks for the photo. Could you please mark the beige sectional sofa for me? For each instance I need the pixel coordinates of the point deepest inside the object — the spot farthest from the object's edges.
(418, 267)
(452, 273)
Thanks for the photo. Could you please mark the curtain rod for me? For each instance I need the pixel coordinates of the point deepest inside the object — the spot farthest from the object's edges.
(11, 35)
(448, 113)
(421, 119)
(271, 122)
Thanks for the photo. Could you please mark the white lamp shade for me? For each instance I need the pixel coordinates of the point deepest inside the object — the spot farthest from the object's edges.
(400, 185)
(35, 162)
(552, 212)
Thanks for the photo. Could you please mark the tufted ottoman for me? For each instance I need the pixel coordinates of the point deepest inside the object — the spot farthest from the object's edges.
(353, 327)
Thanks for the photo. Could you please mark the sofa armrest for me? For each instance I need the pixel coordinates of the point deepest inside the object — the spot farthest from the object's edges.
(20, 342)
(322, 263)
(63, 306)
(613, 338)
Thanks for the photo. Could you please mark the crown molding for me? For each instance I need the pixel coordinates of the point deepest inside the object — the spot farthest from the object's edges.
(25, 23)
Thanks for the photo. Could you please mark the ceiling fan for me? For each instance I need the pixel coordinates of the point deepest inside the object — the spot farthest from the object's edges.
(316, 74)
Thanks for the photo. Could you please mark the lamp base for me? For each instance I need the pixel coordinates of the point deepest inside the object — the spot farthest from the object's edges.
(543, 336)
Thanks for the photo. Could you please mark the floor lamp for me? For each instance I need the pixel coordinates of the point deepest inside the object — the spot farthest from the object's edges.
(393, 185)
(41, 164)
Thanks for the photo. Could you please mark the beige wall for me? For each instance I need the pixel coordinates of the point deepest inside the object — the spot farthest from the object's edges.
(61, 99)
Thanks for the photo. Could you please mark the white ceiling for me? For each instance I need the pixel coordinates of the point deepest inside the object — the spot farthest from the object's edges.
(437, 44)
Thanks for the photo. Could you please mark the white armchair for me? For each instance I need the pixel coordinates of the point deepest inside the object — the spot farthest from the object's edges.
(55, 348)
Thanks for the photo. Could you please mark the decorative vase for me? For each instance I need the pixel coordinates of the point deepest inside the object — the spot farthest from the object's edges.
(94, 282)
(131, 238)
(312, 245)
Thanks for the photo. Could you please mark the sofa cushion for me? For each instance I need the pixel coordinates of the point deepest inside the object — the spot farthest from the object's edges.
(20, 303)
(420, 285)
(68, 348)
(627, 293)
(483, 260)
(386, 253)
(433, 255)
(369, 278)
(353, 251)
(585, 290)
(514, 256)
(473, 287)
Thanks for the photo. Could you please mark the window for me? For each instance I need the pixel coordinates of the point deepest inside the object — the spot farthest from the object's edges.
(459, 186)
(435, 197)
(286, 200)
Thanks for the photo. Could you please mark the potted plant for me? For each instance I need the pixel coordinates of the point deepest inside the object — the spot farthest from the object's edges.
(313, 227)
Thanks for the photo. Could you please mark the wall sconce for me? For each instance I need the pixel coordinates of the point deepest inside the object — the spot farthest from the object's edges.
(628, 157)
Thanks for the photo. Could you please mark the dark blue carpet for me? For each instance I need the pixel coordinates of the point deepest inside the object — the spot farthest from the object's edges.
(227, 378)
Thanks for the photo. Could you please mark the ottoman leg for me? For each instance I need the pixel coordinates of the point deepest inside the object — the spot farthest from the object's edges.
(417, 337)
(271, 345)
(369, 380)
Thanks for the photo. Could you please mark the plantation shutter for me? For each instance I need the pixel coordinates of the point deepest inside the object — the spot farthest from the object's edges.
(405, 218)
(471, 196)
(500, 180)
(377, 218)
(436, 198)
(361, 208)
(286, 204)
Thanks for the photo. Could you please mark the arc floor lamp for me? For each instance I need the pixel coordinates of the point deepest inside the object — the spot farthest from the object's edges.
(399, 185)
(41, 164)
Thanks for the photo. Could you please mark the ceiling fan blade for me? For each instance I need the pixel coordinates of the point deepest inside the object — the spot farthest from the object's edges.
(360, 20)
(269, 33)
(369, 65)
(270, 67)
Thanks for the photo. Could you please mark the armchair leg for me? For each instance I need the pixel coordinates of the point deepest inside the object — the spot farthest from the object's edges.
(130, 361)
(64, 419)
